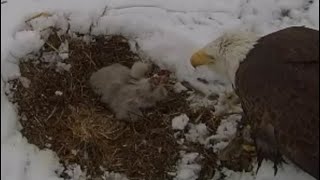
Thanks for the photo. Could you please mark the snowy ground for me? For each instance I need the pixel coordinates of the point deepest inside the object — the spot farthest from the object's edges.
(168, 31)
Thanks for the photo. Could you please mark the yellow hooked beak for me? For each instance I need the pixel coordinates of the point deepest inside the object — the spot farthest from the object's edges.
(200, 58)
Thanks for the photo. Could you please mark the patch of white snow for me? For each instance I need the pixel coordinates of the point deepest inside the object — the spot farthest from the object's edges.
(180, 122)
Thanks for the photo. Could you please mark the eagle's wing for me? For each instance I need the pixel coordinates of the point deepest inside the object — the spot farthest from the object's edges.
(278, 84)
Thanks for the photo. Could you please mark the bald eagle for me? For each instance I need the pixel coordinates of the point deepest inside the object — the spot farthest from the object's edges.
(277, 80)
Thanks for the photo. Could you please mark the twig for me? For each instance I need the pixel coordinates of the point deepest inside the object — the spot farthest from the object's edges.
(104, 11)
(55, 49)
(229, 114)
(198, 118)
(51, 114)
(89, 57)
(45, 14)
(3, 2)
(38, 121)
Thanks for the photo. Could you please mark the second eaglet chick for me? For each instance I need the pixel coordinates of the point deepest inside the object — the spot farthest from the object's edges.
(136, 96)
(108, 80)
(126, 91)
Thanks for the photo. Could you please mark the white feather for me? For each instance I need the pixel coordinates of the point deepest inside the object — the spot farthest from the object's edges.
(229, 50)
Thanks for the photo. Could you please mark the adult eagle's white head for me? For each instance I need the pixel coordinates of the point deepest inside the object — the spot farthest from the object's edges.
(224, 54)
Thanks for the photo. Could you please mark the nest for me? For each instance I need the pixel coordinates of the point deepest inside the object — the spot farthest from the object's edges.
(59, 111)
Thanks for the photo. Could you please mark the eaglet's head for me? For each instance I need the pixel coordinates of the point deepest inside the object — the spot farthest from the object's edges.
(224, 54)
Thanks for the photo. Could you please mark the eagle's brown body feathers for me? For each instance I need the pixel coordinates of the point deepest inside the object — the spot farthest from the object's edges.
(278, 84)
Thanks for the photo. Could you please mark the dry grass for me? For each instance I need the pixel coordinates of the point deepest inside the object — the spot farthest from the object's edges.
(82, 130)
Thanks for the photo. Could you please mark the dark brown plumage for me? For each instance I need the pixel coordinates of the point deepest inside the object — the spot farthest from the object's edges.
(278, 84)
(277, 80)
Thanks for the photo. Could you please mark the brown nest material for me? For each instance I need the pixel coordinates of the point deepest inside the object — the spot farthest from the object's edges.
(59, 111)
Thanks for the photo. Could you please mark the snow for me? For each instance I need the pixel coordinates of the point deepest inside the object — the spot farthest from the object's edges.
(8, 118)
(287, 172)
(198, 101)
(74, 171)
(188, 167)
(63, 50)
(113, 176)
(25, 82)
(227, 103)
(227, 128)
(197, 133)
(63, 67)
(224, 134)
(43, 22)
(180, 122)
(313, 13)
(26, 42)
(58, 93)
(167, 31)
(178, 87)
(50, 57)
(27, 161)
